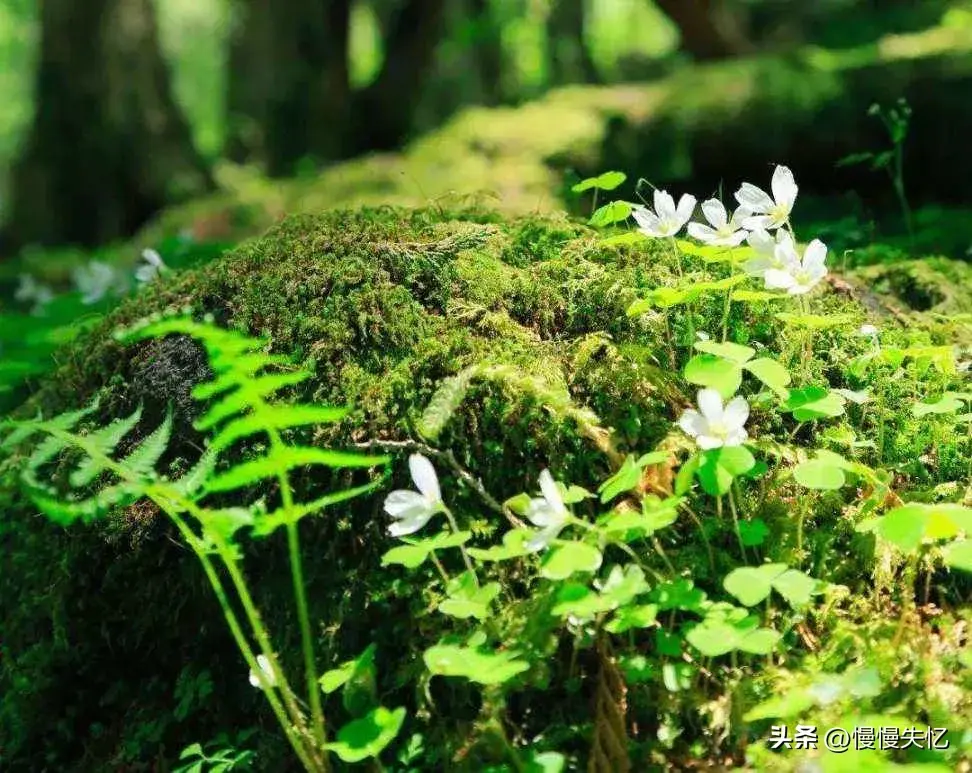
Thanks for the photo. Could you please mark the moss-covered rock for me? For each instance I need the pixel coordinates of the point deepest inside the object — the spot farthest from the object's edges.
(114, 630)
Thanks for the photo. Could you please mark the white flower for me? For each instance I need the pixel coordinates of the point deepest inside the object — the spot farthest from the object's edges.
(724, 232)
(715, 426)
(264, 665)
(769, 212)
(94, 280)
(151, 268)
(770, 252)
(413, 509)
(30, 289)
(867, 330)
(798, 275)
(667, 219)
(548, 513)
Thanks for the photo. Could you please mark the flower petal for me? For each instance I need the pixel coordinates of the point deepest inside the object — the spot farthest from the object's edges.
(702, 232)
(736, 438)
(715, 213)
(424, 477)
(784, 187)
(693, 423)
(738, 216)
(410, 524)
(649, 223)
(542, 539)
(550, 491)
(401, 502)
(815, 255)
(540, 513)
(736, 413)
(664, 205)
(761, 241)
(759, 223)
(710, 404)
(778, 279)
(753, 198)
(686, 208)
(706, 442)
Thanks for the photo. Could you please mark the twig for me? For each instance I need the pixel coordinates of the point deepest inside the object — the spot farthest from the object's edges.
(449, 458)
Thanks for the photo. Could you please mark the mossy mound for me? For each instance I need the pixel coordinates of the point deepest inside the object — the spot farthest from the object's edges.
(115, 655)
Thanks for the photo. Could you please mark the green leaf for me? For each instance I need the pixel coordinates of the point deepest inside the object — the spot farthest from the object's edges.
(771, 373)
(476, 665)
(795, 586)
(751, 585)
(708, 370)
(606, 181)
(624, 240)
(276, 418)
(282, 459)
(814, 402)
(578, 600)
(567, 558)
(908, 526)
(820, 475)
(720, 466)
(728, 351)
(193, 750)
(622, 586)
(750, 296)
(611, 213)
(143, 459)
(368, 736)
(958, 555)
(512, 547)
(444, 404)
(754, 532)
(105, 439)
(336, 678)
(950, 402)
(545, 762)
(627, 618)
(415, 553)
(686, 474)
(629, 475)
(467, 599)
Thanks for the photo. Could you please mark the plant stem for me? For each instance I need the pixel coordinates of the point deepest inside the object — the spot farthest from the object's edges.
(300, 596)
(462, 548)
(735, 523)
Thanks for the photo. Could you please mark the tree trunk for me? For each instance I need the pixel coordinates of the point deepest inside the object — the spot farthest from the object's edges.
(708, 29)
(488, 50)
(384, 110)
(108, 146)
(289, 90)
(569, 58)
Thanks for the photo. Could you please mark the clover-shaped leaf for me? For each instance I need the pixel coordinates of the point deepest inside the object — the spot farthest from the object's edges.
(719, 467)
(368, 736)
(473, 663)
(613, 212)
(906, 527)
(710, 370)
(607, 181)
(629, 474)
(468, 599)
(958, 555)
(627, 618)
(751, 585)
(513, 547)
(814, 402)
(338, 677)
(567, 558)
(713, 637)
(415, 553)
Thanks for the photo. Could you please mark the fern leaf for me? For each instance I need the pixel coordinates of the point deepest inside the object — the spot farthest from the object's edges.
(267, 523)
(444, 403)
(244, 367)
(277, 417)
(65, 512)
(105, 440)
(17, 435)
(190, 483)
(249, 393)
(283, 459)
(143, 459)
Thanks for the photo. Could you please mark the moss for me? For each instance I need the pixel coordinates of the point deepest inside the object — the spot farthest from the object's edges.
(384, 304)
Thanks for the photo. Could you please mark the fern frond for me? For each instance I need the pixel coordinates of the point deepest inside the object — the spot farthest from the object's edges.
(104, 440)
(143, 459)
(281, 460)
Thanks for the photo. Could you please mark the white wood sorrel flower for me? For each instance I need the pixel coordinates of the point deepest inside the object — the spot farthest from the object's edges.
(548, 513)
(798, 275)
(770, 253)
(152, 265)
(769, 212)
(413, 509)
(722, 230)
(667, 219)
(264, 665)
(715, 425)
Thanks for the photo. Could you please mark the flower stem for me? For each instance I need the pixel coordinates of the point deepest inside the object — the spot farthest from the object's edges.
(462, 548)
(735, 523)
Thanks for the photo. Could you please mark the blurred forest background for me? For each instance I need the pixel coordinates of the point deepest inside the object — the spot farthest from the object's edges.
(111, 110)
